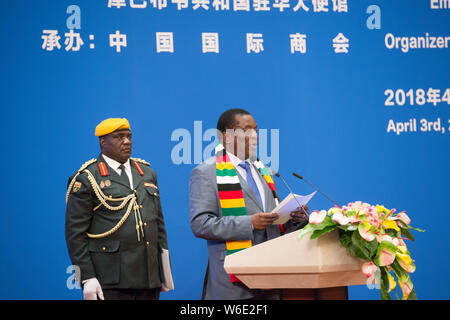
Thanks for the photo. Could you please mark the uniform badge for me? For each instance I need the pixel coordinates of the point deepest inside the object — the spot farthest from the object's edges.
(102, 184)
(148, 184)
(107, 183)
(76, 186)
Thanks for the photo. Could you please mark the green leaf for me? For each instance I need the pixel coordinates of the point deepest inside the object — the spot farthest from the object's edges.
(402, 223)
(307, 229)
(359, 247)
(345, 238)
(346, 241)
(408, 226)
(324, 224)
(327, 222)
(391, 232)
(350, 214)
(384, 285)
(406, 233)
(318, 233)
(348, 227)
(396, 295)
(362, 217)
(412, 295)
(372, 247)
(416, 229)
(398, 270)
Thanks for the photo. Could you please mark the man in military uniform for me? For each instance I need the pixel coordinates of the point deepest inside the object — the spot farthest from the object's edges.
(115, 229)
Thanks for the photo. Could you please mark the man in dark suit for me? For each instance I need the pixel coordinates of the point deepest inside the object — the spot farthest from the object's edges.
(230, 199)
(115, 229)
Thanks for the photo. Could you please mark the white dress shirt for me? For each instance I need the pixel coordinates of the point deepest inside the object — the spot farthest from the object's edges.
(236, 161)
(115, 166)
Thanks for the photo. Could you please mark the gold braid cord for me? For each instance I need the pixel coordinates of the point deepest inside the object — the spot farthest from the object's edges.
(130, 199)
(84, 166)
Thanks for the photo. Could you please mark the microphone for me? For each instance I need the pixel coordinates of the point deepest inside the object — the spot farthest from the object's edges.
(301, 178)
(290, 190)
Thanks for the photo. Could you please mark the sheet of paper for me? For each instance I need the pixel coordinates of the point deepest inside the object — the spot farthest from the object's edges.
(167, 271)
(290, 204)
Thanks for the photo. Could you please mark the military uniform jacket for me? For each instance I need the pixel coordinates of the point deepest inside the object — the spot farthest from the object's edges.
(117, 260)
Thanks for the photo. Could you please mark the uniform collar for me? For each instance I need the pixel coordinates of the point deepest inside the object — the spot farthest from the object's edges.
(115, 164)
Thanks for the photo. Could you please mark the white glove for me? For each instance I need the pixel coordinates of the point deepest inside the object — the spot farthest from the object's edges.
(91, 289)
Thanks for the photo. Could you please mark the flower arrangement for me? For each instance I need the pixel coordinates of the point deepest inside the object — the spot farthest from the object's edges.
(376, 235)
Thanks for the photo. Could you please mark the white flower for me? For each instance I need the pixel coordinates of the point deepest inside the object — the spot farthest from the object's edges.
(340, 218)
(317, 217)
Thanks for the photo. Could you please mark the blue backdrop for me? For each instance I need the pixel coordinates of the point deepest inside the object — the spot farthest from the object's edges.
(335, 111)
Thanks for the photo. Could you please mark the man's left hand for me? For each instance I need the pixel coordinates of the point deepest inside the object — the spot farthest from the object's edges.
(301, 214)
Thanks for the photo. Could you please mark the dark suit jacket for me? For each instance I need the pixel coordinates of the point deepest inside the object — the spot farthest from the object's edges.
(118, 260)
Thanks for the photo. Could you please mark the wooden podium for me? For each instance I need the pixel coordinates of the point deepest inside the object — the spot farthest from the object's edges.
(303, 269)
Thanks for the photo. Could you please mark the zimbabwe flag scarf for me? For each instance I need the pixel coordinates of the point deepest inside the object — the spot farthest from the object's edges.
(231, 196)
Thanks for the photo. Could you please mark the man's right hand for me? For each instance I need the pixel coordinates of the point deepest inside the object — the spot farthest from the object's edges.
(91, 289)
(262, 220)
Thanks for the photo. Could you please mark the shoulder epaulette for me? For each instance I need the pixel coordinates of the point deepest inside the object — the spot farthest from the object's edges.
(140, 161)
(72, 183)
(87, 164)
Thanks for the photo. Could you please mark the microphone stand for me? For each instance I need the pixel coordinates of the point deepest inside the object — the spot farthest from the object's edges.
(301, 178)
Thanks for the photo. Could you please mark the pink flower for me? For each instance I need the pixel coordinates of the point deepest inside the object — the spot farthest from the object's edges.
(340, 218)
(388, 238)
(369, 269)
(353, 219)
(385, 254)
(365, 232)
(374, 220)
(404, 217)
(406, 285)
(317, 217)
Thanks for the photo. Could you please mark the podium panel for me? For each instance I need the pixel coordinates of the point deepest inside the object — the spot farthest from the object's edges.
(289, 263)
